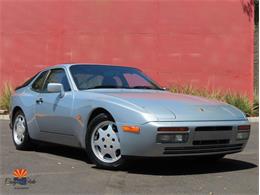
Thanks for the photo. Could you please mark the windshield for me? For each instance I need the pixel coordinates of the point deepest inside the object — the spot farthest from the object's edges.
(101, 76)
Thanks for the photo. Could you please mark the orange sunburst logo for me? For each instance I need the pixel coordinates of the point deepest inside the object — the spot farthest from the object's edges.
(20, 173)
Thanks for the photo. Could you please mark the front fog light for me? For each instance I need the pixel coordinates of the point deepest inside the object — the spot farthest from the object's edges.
(164, 138)
(172, 138)
(242, 135)
(180, 138)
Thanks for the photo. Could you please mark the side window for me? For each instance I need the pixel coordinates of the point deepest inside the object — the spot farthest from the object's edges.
(38, 83)
(57, 76)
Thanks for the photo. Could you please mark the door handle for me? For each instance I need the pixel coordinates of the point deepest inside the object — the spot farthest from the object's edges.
(39, 101)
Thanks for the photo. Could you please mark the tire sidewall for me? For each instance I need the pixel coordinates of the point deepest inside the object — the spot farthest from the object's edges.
(91, 127)
(25, 143)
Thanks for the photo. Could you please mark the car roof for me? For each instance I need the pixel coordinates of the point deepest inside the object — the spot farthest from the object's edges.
(84, 64)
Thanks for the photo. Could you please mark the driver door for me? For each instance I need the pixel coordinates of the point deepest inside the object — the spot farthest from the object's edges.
(53, 113)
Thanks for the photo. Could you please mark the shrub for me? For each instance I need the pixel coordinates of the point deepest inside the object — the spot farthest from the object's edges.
(5, 98)
(256, 106)
(238, 100)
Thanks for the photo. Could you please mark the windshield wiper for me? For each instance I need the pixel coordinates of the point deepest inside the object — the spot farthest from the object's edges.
(107, 87)
(142, 87)
(146, 87)
(117, 87)
(103, 86)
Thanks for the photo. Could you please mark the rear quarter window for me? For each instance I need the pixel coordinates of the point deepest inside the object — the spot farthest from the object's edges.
(38, 83)
(26, 83)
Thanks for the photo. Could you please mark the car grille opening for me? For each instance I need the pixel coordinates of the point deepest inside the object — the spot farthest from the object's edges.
(210, 142)
(230, 148)
(214, 128)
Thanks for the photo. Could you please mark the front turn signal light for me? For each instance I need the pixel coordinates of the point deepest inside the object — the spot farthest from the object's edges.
(131, 129)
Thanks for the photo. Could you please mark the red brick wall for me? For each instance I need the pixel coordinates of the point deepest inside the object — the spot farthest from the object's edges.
(204, 43)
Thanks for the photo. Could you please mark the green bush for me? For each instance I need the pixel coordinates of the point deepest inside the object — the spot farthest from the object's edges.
(238, 100)
(5, 98)
(256, 106)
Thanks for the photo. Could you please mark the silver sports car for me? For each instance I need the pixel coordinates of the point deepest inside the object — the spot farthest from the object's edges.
(113, 112)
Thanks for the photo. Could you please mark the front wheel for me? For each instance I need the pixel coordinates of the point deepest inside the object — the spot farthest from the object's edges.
(20, 133)
(103, 143)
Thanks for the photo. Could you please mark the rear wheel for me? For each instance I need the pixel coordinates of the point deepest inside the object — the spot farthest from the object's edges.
(103, 144)
(20, 133)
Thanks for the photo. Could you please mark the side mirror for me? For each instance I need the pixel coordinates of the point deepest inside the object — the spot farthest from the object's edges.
(56, 88)
(165, 89)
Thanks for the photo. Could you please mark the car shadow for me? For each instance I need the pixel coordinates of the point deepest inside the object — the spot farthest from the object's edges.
(186, 166)
(63, 151)
(156, 166)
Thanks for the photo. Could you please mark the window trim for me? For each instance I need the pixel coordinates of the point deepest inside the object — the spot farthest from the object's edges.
(28, 82)
(142, 74)
(39, 74)
(50, 70)
(46, 77)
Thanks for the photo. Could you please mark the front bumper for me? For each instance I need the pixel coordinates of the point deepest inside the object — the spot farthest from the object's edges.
(198, 143)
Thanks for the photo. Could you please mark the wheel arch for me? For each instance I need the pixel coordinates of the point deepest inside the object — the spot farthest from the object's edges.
(14, 111)
(98, 111)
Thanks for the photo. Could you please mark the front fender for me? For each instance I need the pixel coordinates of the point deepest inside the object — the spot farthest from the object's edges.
(25, 100)
(122, 111)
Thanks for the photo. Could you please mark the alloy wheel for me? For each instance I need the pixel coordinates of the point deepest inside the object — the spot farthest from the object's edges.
(19, 129)
(105, 142)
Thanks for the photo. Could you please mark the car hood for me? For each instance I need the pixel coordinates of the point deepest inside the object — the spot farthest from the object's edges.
(167, 106)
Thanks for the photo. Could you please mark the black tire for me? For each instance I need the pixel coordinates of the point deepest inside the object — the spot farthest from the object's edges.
(26, 143)
(211, 158)
(94, 159)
